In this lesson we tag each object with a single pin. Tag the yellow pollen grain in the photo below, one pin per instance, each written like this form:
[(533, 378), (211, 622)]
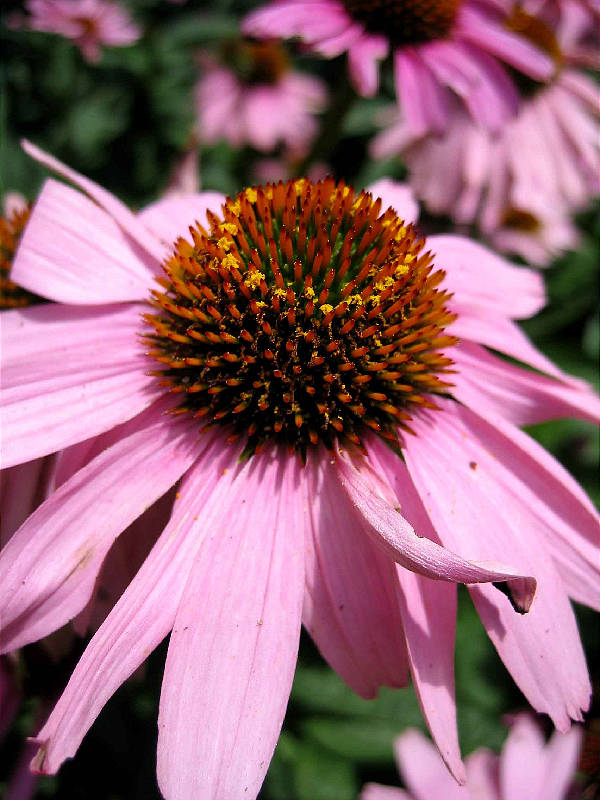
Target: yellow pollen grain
[(229, 227), (309, 292), (400, 270), (355, 300), (326, 308), (299, 186), (401, 233), (345, 191), (385, 283), (224, 243), (253, 279), (251, 194), (280, 293), (235, 207), (230, 261)]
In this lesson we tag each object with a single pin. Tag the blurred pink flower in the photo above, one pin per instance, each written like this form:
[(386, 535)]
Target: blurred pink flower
[(527, 769), (521, 184), (89, 23), (264, 102), (440, 48), (254, 546)]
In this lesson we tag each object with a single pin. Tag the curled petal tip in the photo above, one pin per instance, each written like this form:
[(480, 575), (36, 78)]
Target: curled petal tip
[(520, 590)]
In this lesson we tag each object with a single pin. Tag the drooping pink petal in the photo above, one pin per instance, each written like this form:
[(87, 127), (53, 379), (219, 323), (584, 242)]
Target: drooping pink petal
[(568, 522), (398, 196), (396, 537), (350, 606), (423, 771), (422, 99), (117, 210), (83, 368), (523, 397), (485, 280), (48, 568), (74, 252), (476, 510), (428, 616), (144, 614), (516, 50), (170, 217), (234, 644), (363, 56)]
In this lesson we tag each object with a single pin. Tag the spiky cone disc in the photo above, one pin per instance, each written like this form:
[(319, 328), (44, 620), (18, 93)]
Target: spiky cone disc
[(303, 315), (11, 228)]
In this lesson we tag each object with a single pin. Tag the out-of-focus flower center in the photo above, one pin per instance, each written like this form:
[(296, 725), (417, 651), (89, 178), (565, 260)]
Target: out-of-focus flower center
[(303, 315), (11, 228), (405, 21), (539, 34), (256, 62), (520, 220)]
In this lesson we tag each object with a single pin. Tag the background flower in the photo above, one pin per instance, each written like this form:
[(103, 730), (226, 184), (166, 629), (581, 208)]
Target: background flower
[(89, 23), (527, 767)]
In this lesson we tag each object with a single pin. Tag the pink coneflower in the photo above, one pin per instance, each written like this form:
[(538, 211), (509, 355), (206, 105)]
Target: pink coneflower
[(89, 23), (440, 48), (528, 767), (521, 184), (253, 96), (309, 330)]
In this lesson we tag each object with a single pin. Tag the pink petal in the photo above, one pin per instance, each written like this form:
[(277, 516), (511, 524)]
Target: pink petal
[(502, 334), (74, 252), (350, 606), (83, 368), (422, 99), (233, 649), (461, 475), (117, 210), (429, 620), (423, 771), (482, 775), (313, 20), (486, 281), (521, 396), (522, 760), (171, 217), (570, 524), (483, 33), (48, 568), (562, 757), (363, 56), (398, 196), (393, 534), (144, 614)]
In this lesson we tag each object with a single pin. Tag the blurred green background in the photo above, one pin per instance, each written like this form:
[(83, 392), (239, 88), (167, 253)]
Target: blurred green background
[(126, 122)]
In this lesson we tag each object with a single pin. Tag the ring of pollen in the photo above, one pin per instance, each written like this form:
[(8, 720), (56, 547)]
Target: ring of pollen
[(303, 315)]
